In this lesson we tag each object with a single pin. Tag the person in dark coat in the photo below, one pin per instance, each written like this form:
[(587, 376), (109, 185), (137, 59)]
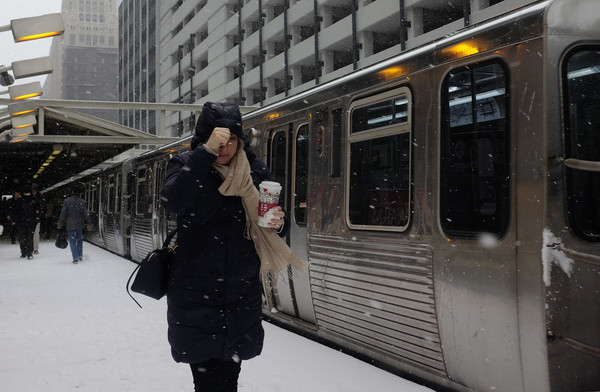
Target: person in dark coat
[(214, 293), (75, 215), (11, 215), (25, 213)]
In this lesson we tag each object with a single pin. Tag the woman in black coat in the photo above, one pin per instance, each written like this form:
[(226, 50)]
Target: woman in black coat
[(214, 294)]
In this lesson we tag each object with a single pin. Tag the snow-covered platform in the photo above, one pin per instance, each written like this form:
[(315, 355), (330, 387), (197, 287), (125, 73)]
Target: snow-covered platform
[(67, 327)]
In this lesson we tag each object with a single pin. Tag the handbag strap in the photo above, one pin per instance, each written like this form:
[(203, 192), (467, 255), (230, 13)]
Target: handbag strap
[(169, 237), (165, 244)]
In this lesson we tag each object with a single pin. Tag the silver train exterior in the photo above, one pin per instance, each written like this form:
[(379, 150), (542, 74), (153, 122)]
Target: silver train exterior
[(448, 200)]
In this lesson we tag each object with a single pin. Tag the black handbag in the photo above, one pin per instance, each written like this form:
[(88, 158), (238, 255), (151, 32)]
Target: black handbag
[(61, 239), (153, 272)]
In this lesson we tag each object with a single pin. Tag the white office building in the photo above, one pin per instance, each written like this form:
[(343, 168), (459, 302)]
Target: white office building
[(255, 52)]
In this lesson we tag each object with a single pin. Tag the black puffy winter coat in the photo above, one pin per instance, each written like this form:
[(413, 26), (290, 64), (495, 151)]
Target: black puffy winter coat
[(214, 294)]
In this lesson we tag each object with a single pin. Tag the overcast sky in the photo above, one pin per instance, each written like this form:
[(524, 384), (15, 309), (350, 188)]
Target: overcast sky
[(11, 51)]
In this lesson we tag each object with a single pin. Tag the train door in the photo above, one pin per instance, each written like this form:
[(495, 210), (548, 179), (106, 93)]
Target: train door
[(475, 255), (571, 256), (287, 158), (142, 233), (161, 215)]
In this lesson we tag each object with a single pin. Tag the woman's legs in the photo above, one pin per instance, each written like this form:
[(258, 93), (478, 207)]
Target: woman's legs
[(216, 376)]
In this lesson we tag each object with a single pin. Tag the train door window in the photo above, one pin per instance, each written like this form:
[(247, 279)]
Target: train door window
[(118, 193), (277, 155), (143, 192), (92, 197), (335, 143), (474, 156), (110, 201), (582, 141), (103, 192), (301, 175), (88, 196), (378, 179)]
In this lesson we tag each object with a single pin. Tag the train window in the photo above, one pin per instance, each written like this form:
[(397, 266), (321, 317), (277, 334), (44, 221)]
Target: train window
[(582, 142), (381, 114), (301, 179), (474, 156), (335, 143), (378, 194), (118, 193), (143, 191), (92, 196), (111, 194), (277, 156)]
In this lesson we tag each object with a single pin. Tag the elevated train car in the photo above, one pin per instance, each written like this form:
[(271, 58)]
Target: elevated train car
[(447, 199)]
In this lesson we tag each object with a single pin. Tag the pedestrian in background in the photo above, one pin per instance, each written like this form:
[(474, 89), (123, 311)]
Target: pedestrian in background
[(11, 216), (25, 213), (75, 216)]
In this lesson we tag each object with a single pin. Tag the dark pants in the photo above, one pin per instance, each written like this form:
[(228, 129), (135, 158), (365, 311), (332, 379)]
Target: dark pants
[(216, 376), (13, 233), (26, 238)]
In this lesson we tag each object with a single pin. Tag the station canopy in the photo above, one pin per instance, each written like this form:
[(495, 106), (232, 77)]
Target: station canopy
[(76, 140)]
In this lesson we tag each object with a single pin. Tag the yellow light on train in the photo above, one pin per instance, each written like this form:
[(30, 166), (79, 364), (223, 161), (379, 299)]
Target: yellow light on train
[(457, 51), (392, 73), (273, 116)]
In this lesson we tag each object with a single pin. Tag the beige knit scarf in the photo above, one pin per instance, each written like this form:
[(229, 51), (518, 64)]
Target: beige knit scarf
[(274, 253)]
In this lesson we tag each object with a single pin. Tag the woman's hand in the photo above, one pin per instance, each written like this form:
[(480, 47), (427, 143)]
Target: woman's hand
[(277, 221), (219, 137)]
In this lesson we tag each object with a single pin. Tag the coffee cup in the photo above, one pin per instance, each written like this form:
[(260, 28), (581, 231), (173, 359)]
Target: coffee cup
[(268, 198)]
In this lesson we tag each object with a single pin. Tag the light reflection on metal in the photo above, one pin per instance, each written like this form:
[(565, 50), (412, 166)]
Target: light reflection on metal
[(392, 73), (462, 49)]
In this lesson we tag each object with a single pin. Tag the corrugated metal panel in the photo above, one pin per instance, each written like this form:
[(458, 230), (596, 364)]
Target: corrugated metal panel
[(378, 294), (141, 236)]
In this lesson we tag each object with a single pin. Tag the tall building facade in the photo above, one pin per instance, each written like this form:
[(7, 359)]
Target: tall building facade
[(85, 57), (255, 52), (138, 49)]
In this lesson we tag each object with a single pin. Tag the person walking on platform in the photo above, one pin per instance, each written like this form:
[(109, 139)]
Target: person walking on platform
[(214, 294), (75, 215), (26, 211), (11, 216)]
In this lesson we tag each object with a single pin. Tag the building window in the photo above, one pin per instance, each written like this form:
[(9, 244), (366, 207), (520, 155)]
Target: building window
[(378, 175), (475, 154)]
